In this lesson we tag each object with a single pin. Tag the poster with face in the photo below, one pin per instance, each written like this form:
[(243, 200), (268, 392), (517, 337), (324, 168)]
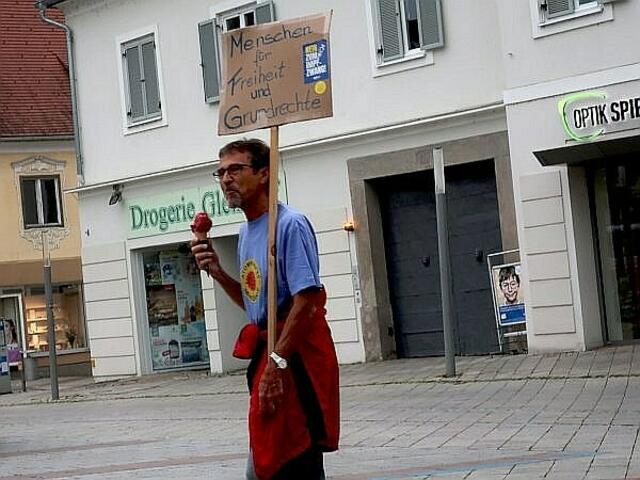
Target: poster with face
[(509, 295)]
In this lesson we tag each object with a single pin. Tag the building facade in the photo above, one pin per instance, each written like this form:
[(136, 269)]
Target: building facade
[(573, 138), (407, 77), (538, 142), (37, 163)]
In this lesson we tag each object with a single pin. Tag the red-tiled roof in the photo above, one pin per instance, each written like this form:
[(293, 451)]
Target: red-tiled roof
[(34, 81)]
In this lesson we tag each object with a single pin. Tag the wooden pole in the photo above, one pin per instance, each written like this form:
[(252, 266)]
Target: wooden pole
[(272, 291)]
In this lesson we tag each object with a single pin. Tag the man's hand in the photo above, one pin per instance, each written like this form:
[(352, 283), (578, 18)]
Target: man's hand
[(271, 388), (206, 257)]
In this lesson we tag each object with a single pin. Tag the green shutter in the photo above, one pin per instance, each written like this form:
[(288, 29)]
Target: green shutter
[(390, 29), (150, 70), (557, 8), (134, 79), (209, 60), (430, 22), (265, 12)]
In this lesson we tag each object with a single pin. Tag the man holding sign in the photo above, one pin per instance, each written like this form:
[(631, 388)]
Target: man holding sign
[(294, 406), (274, 74)]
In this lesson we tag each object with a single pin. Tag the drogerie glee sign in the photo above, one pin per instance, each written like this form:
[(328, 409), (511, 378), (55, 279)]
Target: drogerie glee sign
[(275, 73), (173, 211)]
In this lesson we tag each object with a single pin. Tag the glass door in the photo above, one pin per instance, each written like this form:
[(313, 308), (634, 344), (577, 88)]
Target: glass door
[(175, 310), (617, 204)]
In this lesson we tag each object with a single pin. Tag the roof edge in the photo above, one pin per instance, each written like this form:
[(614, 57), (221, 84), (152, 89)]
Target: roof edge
[(48, 3), (35, 138)]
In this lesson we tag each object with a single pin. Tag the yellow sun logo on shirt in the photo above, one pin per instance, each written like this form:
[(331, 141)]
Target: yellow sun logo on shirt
[(251, 279)]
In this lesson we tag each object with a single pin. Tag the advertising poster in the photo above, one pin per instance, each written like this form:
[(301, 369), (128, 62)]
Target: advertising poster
[(509, 296), (175, 311), (169, 267)]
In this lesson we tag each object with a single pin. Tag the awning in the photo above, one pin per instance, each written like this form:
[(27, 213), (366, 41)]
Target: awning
[(581, 152)]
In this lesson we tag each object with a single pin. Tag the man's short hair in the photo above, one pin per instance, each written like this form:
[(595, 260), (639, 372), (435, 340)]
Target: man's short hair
[(258, 151), (506, 273)]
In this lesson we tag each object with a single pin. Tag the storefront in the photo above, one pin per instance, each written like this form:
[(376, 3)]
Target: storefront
[(149, 307), (23, 311), (577, 177)]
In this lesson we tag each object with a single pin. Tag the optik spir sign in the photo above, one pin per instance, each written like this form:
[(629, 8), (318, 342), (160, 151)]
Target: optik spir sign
[(589, 115)]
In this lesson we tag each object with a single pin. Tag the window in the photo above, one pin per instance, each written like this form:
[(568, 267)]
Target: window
[(68, 314), (550, 17), (406, 26), (246, 16), (41, 205), (558, 8), (142, 92), (239, 20)]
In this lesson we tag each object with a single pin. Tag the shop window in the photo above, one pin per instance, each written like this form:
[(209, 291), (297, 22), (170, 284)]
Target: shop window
[(10, 319), (175, 310), (141, 80), (68, 316), (41, 201), (406, 27), (208, 31)]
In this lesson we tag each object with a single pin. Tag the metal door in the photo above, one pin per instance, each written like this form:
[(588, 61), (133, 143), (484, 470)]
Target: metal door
[(409, 221), (411, 244), (474, 231)]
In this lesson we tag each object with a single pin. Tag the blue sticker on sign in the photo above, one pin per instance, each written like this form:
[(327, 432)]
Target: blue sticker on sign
[(316, 61), (512, 314)]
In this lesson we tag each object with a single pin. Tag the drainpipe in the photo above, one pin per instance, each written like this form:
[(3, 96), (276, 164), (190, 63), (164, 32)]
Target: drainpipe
[(74, 95)]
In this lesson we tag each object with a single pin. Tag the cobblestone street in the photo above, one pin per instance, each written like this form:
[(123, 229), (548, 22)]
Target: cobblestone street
[(568, 416)]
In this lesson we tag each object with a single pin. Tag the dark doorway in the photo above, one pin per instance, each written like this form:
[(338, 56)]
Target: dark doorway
[(409, 222), (616, 191)]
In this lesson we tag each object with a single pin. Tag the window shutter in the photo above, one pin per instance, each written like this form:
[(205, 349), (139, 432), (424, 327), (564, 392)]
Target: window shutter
[(134, 77), (264, 12), (209, 60), (150, 69), (557, 8), (390, 29), (430, 21), (29, 203)]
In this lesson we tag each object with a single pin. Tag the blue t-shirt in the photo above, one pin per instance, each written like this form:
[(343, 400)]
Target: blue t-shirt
[(297, 265)]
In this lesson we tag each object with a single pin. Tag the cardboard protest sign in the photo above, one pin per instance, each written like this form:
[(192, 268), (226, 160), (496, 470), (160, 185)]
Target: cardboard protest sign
[(275, 73)]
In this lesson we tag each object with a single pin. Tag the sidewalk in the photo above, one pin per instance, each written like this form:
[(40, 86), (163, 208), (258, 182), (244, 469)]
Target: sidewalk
[(619, 361), (553, 417)]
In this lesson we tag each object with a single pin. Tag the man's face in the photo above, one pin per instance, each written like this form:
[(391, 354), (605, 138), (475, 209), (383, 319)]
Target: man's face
[(241, 184), (509, 288)]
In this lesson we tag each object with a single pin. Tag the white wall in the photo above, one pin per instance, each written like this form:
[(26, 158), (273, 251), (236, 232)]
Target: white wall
[(466, 73), (529, 60), (110, 326), (229, 317)]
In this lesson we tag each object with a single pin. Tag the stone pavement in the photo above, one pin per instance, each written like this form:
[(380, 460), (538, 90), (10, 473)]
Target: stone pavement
[(560, 416)]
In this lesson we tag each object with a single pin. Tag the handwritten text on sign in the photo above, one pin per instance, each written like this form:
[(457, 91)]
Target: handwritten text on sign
[(274, 74)]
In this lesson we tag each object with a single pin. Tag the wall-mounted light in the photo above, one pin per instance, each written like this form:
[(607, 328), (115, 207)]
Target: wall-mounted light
[(116, 195), (348, 226)]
